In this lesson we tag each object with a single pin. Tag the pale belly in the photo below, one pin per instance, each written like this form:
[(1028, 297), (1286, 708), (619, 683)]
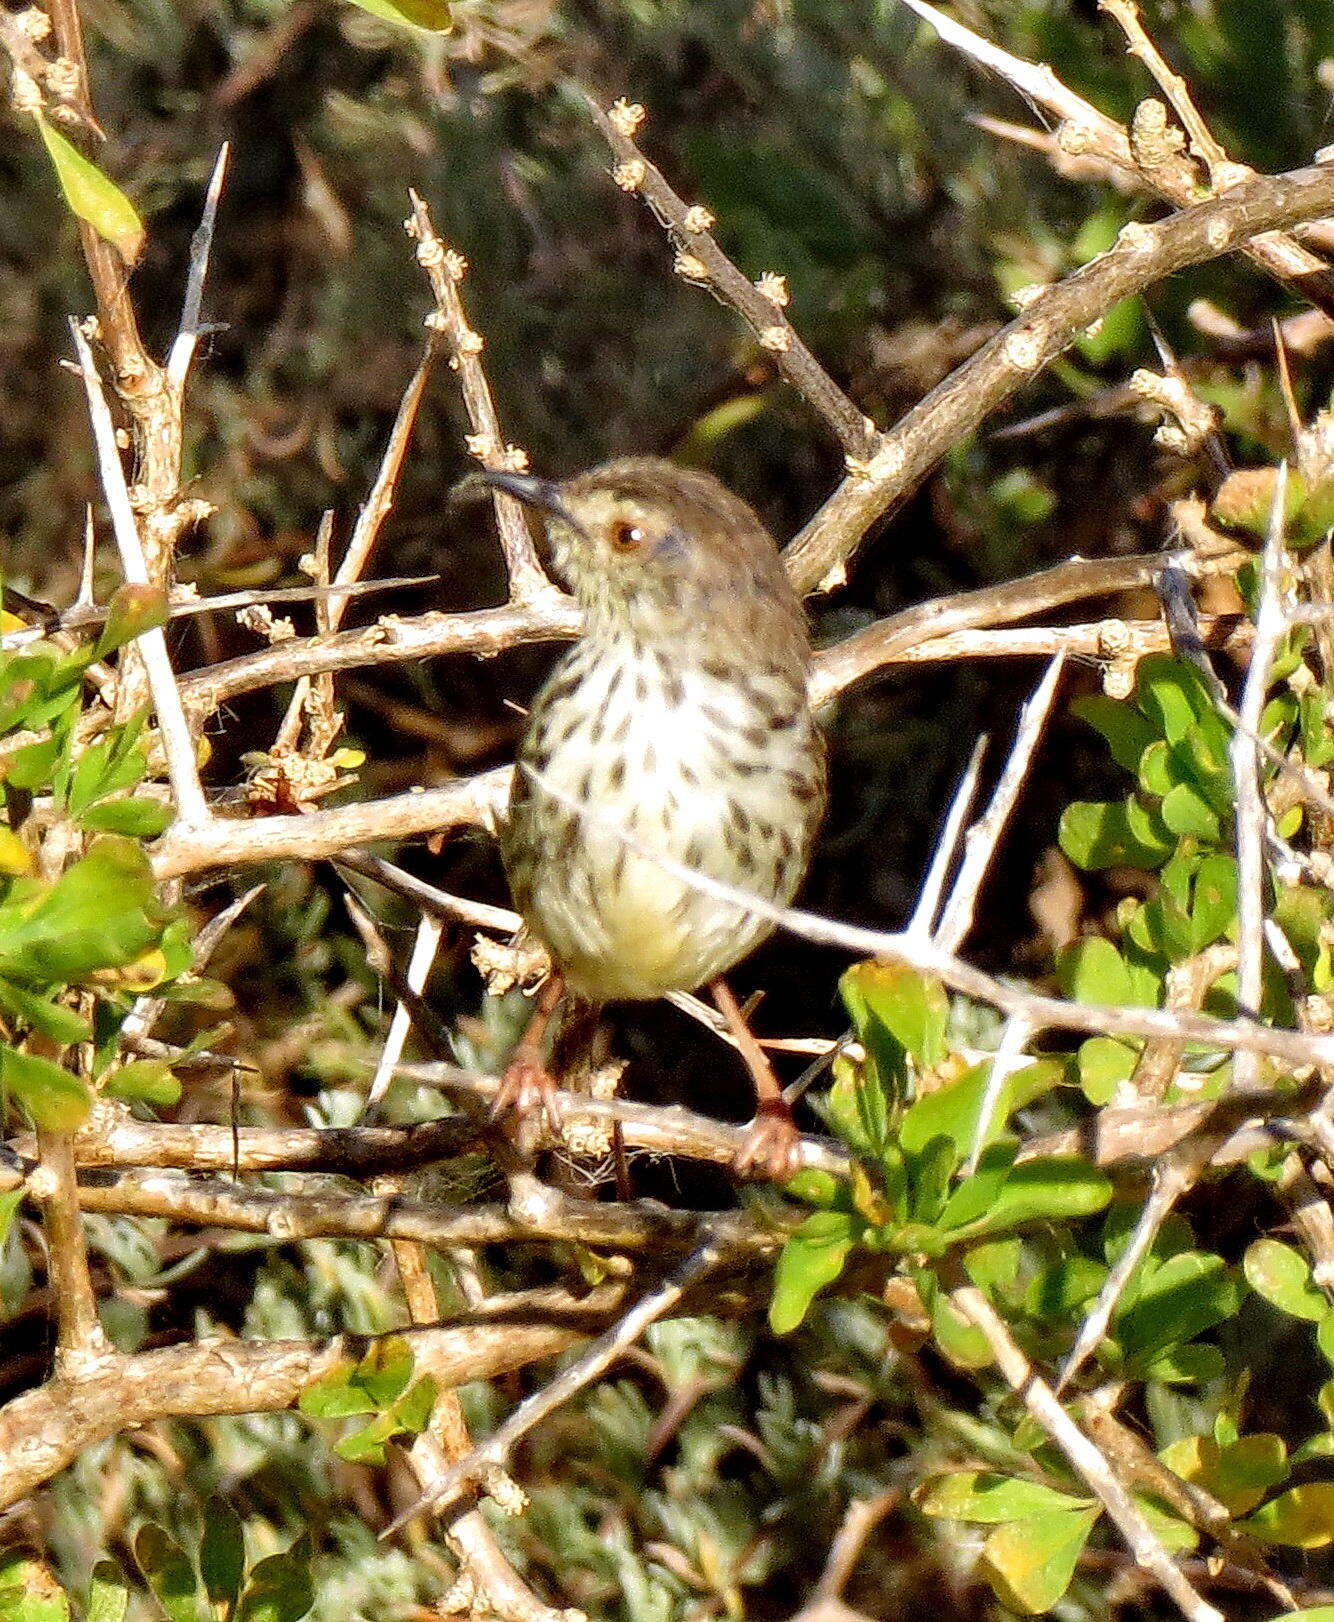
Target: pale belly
[(649, 780)]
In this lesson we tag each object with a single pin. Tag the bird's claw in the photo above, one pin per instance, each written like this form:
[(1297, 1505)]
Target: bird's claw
[(771, 1149), (528, 1092)]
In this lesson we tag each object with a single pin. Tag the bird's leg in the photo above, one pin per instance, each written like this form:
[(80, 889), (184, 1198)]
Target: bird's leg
[(527, 1086), (772, 1146)]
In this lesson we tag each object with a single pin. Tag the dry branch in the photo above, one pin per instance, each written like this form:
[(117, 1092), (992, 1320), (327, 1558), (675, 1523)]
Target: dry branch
[(1141, 256)]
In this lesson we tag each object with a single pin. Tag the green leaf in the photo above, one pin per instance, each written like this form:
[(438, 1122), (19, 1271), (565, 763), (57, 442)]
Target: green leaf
[(133, 609), (414, 1408), (1030, 1563), (962, 1342), (1112, 833), (1043, 1190), (1213, 900), (1282, 1276), (1302, 1518), (911, 1006), (100, 914), (1093, 971), (1057, 1291), (856, 1105), (384, 1372), (29, 1592), (136, 818), (148, 1079), (1103, 1064), (222, 1552), (1238, 1475), (367, 1445), (1127, 733), (1186, 1295), (983, 1495), (1156, 769), (93, 196), (952, 1112), (809, 1262), (975, 1195), (1196, 1363), (15, 857), (108, 1593), (333, 1396), (9, 1204), (280, 1588), (53, 1098), (1186, 811), (44, 1014), (168, 1574), (430, 15), (1172, 695)]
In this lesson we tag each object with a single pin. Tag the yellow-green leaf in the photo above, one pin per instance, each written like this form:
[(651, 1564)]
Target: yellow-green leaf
[(432, 15), (93, 196), (1030, 1562), (1302, 1518)]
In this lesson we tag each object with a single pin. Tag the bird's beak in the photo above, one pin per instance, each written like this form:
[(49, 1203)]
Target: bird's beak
[(543, 494)]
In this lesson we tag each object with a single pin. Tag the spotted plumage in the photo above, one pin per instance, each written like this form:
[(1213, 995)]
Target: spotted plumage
[(679, 724)]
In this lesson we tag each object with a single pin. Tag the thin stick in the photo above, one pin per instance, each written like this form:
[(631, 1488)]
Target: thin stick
[(699, 258), (446, 269), (425, 947), (1008, 1057), (1245, 760), (1173, 86), (80, 1341), (1141, 255), (381, 499), (984, 836), (1041, 1402), (594, 1361), (1086, 132), (201, 246), (222, 842), (174, 730), (923, 920)]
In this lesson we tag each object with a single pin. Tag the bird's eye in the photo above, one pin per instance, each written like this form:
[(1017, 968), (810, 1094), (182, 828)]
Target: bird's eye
[(625, 536)]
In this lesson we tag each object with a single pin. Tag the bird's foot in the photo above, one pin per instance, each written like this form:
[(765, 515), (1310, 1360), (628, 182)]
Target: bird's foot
[(771, 1149), (528, 1093)]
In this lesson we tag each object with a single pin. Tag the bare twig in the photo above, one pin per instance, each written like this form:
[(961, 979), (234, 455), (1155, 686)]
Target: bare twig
[(45, 1429), (982, 838), (1037, 1396), (173, 728), (223, 843), (446, 269), (1126, 14), (1245, 759), (1141, 255), (1152, 163), (923, 920), (425, 946), (494, 1452), (80, 1346), (700, 259), (201, 246), (489, 1574)]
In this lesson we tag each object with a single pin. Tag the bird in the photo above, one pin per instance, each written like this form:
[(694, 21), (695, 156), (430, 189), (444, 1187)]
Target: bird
[(680, 726)]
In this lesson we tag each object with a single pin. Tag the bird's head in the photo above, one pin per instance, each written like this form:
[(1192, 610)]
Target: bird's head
[(661, 551)]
